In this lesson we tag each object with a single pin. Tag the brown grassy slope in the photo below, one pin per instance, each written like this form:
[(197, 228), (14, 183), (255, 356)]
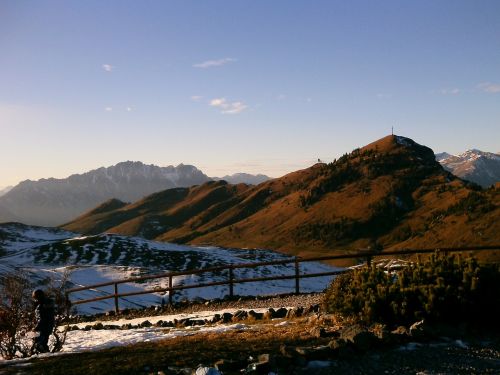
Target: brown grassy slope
[(390, 193)]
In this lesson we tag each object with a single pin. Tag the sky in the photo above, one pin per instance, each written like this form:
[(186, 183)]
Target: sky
[(240, 86)]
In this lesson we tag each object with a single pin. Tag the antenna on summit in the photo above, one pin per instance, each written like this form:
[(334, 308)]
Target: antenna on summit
[(392, 130)]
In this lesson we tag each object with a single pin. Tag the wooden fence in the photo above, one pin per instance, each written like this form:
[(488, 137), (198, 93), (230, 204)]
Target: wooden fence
[(366, 256)]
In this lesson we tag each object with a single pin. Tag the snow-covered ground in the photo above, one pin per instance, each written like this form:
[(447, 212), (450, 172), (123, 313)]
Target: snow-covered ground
[(49, 253)]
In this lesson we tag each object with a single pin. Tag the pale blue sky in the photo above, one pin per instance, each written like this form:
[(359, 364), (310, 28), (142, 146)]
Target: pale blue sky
[(240, 86)]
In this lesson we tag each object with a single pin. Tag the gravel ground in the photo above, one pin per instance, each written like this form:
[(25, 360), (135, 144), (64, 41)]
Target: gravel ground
[(427, 359), (289, 300)]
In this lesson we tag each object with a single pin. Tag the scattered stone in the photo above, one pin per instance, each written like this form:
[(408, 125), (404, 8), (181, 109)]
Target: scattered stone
[(361, 338), (146, 324), (111, 326), (318, 332), (280, 313), (295, 312), (421, 330), (227, 317), (341, 348), (255, 315), (207, 371), (98, 326), (315, 353), (224, 365), (269, 314), (258, 368), (240, 315)]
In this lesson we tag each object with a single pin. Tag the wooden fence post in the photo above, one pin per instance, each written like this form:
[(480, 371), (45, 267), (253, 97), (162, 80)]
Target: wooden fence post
[(117, 309), (170, 292), (231, 282), (297, 276)]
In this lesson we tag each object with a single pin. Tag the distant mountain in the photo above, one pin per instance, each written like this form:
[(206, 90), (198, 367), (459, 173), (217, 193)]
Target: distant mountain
[(391, 193), (243, 178), (53, 201), (477, 166), (5, 190)]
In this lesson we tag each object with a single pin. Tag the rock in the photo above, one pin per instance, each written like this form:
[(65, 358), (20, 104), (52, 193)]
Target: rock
[(258, 368), (225, 365), (207, 371), (255, 315), (269, 314), (216, 318), (341, 348), (280, 313), (315, 353), (111, 326), (158, 323), (239, 315), (421, 331), (98, 326), (75, 328), (167, 324), (318, 332), (401, 331), (146, 324), (361, 338), (295, 312), (227, 317), (264, 357), (287, 351), (312, 309), (385, 336)]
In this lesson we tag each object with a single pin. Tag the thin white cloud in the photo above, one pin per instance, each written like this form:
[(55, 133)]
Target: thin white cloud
[(228, 107), (453, 91), (492, 88), (108, 68), (128, 109), (196, 98), (214, 63), (108, 109)]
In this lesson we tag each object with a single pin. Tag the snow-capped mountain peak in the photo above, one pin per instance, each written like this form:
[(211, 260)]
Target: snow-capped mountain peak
[(475, 165)]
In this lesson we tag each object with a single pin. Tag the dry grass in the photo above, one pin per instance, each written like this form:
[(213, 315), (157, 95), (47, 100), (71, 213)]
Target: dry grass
[(186, 351)]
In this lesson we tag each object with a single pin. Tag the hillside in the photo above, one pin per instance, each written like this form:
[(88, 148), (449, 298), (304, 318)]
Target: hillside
[(48, 253), (391, 193)]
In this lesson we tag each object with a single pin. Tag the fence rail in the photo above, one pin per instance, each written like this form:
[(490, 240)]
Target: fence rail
[(365, 255)]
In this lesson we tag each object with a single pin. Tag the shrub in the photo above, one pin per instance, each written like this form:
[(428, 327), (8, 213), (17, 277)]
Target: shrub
[(16, 314), (441, 288)]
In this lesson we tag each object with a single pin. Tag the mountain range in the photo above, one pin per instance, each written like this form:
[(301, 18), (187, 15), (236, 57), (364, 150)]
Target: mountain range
[(51, 202), (390, 193), (477, 166)]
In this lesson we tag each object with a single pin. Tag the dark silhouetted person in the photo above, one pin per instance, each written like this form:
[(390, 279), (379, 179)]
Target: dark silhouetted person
[(44, 321)]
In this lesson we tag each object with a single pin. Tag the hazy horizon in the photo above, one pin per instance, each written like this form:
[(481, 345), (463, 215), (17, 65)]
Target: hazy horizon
[(254, 87)]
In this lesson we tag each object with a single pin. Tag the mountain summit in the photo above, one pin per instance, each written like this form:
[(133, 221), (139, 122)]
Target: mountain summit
[(474, 165), (390, 193), (54, 201)]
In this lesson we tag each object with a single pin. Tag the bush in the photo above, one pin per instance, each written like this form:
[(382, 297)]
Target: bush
[(440, 289), (16, 314)]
